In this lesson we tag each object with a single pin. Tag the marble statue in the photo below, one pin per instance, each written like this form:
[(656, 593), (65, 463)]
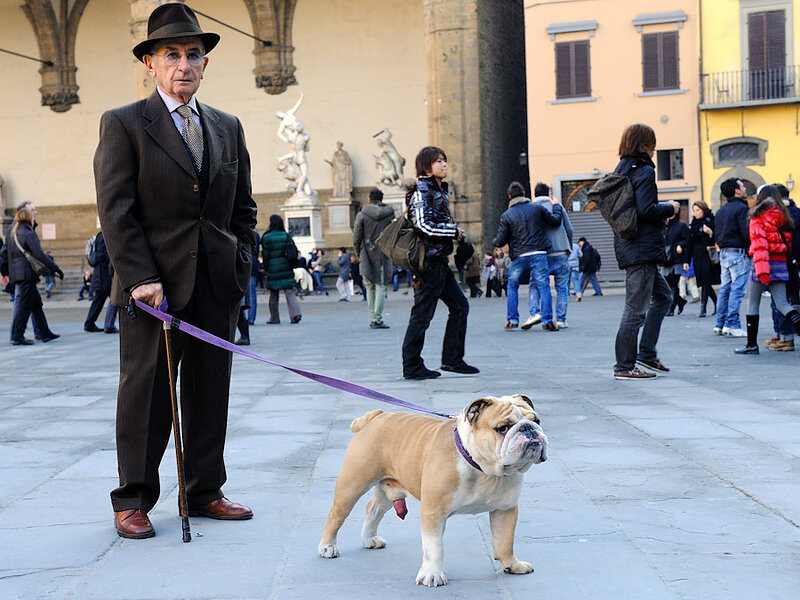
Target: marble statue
[(294, 164), (390, 164), (342, 172)]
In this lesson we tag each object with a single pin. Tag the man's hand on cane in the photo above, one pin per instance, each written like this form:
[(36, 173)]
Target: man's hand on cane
[(149, 293)]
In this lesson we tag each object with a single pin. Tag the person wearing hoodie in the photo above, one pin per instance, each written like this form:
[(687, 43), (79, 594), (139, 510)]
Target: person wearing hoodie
[(558, 265), (376, 267), (522, 226), (647, 294), (770, 230)]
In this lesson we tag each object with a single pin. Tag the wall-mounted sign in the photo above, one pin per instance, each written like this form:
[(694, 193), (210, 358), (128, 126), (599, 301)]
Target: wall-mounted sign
[(48, 231)]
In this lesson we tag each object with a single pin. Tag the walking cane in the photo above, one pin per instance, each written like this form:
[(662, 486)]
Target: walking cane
[(183, 508)]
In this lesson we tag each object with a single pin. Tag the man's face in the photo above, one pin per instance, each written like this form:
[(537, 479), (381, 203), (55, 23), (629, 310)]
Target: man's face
[(741, 191), (177, 66), (33, 211)]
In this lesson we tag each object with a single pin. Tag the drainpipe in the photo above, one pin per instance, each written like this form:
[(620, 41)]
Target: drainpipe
[(702, 91)]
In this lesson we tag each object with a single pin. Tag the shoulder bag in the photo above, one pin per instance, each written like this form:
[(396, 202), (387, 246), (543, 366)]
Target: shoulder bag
[(38, 266), (713, 254), (400, 242)]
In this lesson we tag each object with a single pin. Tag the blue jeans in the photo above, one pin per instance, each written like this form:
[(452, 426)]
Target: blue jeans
[(558, 266), (647, 300), (734, 271), (536, 265), (252, 299), (593, 280), (575, 280)]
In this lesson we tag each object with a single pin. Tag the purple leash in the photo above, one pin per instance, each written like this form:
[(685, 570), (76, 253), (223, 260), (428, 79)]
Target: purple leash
[(339, 384)]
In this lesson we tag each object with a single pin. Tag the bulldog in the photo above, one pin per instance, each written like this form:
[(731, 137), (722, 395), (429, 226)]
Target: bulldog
[(469, 464)]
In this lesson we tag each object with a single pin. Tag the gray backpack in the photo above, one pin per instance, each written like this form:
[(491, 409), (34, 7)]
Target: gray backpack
[(613, 195)]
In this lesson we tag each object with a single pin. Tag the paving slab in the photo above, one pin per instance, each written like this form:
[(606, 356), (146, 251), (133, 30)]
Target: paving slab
[(681, 488)]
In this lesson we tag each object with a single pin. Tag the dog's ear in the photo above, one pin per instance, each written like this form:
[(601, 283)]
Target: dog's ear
[(529, 402), (474, 410), (526, 400)]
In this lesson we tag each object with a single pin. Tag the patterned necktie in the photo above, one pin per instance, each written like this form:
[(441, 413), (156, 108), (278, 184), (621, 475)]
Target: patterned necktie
[(192, 135)]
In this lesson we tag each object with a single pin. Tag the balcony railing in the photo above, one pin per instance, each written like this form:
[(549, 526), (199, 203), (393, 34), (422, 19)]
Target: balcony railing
[(752, 87)]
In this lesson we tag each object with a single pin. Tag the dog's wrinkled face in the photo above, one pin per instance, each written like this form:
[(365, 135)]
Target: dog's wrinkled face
[(503, 434)]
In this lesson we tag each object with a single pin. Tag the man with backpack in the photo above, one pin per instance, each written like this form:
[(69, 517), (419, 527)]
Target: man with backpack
[(589, 264), (101, 285), (647, 294)]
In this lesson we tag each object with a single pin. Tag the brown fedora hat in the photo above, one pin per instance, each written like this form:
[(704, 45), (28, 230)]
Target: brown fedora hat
[(170, 21)]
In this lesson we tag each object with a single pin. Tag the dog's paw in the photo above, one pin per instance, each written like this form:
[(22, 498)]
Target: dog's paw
[(328, 550), (431, 575), (519, 568), (374, 542)]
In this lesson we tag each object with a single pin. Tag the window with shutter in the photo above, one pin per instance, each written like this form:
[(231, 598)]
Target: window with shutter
[(660, 61), (766, 51), (572, 70)]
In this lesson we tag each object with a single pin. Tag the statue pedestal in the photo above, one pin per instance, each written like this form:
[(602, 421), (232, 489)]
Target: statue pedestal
[(303, 217), (341, 214), (394, 196)]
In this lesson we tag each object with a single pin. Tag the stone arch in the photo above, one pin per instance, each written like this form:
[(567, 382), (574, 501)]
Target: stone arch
[(272, 20), (740, 172), (55, 34)]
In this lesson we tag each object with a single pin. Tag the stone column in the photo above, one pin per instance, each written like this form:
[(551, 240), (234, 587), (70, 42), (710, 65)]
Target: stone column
[(451, 48), (140, 11)]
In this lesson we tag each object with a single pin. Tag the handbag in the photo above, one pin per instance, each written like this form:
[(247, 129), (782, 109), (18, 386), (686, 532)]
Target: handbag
[(38, 266), (713, 254), (401, 243), (291, 252)]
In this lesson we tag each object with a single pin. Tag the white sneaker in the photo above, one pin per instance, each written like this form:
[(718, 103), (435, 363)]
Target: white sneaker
[(532, 320), (718, 330), (734, 332), (561, 325)]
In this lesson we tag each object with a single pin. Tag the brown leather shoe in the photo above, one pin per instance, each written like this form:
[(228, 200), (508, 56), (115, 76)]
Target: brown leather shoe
[(133, 524), (224, 509)]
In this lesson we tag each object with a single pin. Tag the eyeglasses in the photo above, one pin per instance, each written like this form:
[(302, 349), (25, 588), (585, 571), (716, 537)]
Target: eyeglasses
[(173, 58)]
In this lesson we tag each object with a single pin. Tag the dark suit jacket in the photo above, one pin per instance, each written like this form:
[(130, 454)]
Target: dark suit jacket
[(152, 209)]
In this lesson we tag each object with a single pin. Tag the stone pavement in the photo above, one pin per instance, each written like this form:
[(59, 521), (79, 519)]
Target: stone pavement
[(685, 487)]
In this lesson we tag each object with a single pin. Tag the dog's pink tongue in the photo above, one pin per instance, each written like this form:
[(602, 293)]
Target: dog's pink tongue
[(400, 508)]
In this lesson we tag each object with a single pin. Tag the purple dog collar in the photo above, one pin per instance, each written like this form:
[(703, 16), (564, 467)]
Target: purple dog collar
[(463, 451)]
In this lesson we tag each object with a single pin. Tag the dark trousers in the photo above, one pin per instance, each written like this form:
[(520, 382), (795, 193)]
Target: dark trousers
[(96, 307), (144, 414), (647, 300), (436, 283), (474, 286), (27, 302)]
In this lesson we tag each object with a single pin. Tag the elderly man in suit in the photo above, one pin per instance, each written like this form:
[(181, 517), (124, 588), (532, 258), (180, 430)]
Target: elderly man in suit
[(174, 199)]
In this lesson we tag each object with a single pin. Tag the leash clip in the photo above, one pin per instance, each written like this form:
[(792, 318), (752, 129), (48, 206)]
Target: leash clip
[(131, 307)]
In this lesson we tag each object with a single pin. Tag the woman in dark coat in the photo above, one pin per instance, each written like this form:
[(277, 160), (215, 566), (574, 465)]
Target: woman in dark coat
[(27, 299), (280, 276), (701, 238), (677, 242)]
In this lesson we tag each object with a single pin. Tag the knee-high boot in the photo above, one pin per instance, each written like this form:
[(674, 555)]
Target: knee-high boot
[(243, 325), (752, 336)]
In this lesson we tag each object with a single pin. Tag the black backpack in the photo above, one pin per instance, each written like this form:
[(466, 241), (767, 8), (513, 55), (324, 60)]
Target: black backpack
[(613, 195)]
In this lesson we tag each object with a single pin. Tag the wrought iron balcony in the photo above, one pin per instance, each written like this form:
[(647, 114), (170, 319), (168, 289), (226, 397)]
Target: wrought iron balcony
[(753, 87)]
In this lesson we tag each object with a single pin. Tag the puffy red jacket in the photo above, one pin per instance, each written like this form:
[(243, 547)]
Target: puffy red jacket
[(766, 243)]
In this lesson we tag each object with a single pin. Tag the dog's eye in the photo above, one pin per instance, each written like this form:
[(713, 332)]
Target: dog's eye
[(502, 430)]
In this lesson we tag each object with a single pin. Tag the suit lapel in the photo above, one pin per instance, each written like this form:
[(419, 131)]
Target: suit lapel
[(162, 129), (214, 137)]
